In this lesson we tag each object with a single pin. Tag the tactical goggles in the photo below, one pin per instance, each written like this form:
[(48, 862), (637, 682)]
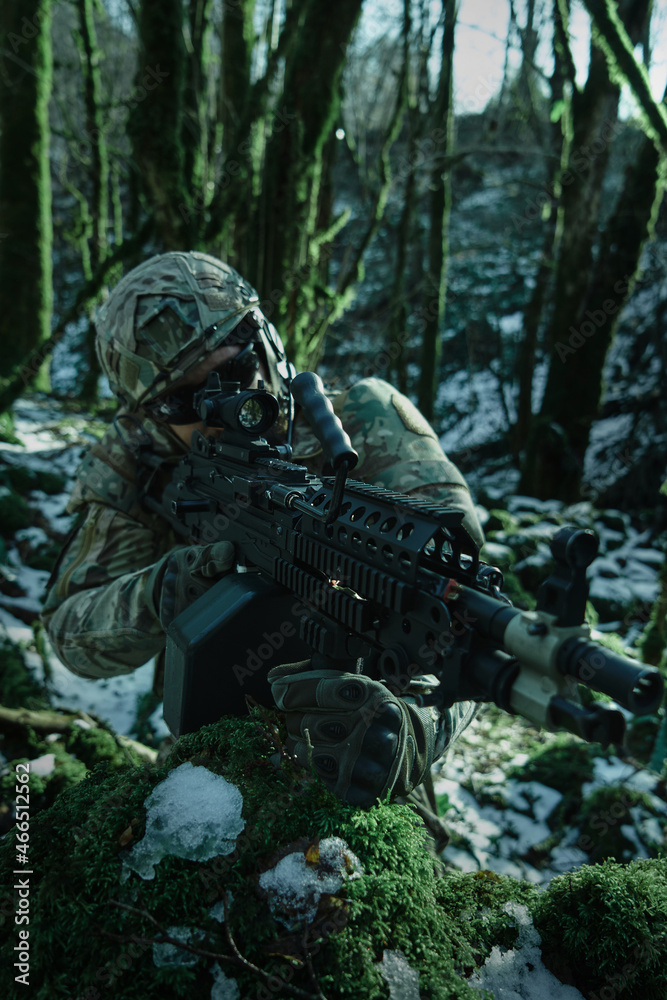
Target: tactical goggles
[(176, 407)]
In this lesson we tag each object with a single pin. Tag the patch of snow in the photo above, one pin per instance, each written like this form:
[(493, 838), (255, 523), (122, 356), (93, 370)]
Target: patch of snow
[(218, 911), (112, 699), (34, 536), (474, 403), (519, 502), (648, 826), (193, 814), (616, 772), (512, 324), (401, 978), (33, 581), (44, 765), (518, 973), (224, 987), (52, 508), (537, 798), (630, 834), (294, 885)]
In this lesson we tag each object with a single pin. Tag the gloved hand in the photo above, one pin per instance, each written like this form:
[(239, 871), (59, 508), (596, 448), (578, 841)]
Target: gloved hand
[(365, 740), (184, 574)]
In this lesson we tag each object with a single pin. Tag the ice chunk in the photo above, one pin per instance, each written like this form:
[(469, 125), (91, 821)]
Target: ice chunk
[(224, 987), (166, 953), (294, 886), (192, 814), (44, 765), (518, 974), (402, 980), (218, 911)]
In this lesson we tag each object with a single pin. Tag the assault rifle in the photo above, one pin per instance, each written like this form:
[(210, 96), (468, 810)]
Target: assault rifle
[(348, 573)]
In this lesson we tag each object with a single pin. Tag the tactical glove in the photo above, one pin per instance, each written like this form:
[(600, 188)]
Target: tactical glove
[(365, 741), (183, 575)]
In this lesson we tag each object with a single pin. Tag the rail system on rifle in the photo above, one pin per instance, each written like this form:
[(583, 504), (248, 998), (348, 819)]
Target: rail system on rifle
[(359, 577)]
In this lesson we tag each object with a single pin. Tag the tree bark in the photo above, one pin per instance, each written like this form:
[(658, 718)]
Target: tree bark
[(438, 246), (98, 174), (26, 295), (307, 117), (555, 453), (195, 135), (559, 147), (155, 125)]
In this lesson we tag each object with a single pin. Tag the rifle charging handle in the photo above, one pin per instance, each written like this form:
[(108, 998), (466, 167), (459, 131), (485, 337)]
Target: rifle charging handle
[(308, 392)]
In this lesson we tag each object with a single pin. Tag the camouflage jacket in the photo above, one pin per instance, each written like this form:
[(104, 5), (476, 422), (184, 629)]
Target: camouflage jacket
[(99, 616)]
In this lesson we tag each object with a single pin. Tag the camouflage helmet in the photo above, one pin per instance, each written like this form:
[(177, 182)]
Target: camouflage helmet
[(167, 315)]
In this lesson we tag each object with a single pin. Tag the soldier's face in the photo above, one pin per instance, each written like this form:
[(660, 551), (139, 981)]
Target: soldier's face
[(198, 376)]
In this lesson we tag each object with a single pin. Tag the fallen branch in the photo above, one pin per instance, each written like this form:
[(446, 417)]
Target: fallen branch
[(236, 958), (46, 721)]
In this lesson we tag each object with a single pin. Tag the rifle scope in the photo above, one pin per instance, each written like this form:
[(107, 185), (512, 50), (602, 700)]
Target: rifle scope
[(223, 404)]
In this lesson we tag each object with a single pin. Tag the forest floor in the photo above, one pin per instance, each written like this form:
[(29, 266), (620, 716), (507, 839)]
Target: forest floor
[(517, 801)]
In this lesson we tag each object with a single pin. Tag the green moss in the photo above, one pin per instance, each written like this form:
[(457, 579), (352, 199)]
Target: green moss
[(564, 765), (77, 752), (603, 815), (604, 927), (18, 689), (90, 929), (500, 520), (7, 428), (76, 851)]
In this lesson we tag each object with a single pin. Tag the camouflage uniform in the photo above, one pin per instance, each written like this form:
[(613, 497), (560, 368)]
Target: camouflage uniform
[(100, 619), (161, 321)]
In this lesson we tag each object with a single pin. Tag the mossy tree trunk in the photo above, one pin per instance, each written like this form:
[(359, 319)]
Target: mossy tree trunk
[(195, 135), (440, 205), (398, 319), (238, 39), (288, 273), (156, 125), (561, 85), (618, 44), (554, 457), (25, 182), (98, 173)]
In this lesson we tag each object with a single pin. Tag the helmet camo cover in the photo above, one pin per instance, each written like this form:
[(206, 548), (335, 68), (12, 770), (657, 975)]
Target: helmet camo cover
[(164, 317)]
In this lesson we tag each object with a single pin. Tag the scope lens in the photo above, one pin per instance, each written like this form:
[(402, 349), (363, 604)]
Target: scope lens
[(251, 414)]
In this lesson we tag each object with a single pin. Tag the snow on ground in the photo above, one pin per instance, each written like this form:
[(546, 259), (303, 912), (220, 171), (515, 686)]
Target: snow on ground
[(518, 973), (51, 445), (498, 836)]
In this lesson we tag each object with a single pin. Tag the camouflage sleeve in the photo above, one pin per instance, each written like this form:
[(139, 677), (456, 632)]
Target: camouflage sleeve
[(99, 618)]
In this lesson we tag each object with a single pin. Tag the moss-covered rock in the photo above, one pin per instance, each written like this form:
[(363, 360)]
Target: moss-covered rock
[(604, 929), (18, 688), (65, 758), (105, 914), (94, 921)]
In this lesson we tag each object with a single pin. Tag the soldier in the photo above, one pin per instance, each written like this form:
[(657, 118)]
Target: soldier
[(123, 575)]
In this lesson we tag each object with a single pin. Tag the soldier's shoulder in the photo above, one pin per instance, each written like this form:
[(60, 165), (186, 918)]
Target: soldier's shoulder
[(373, 398)]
